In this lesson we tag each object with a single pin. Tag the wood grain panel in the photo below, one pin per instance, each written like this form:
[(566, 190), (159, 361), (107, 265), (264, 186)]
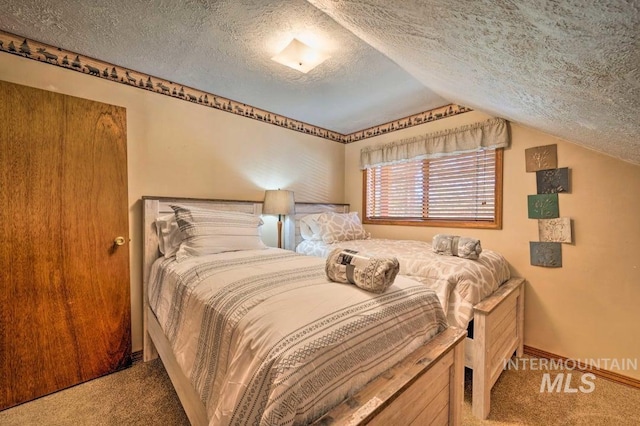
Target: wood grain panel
[(440, 419), (436, 412), (406, 382), (489, 326), (403, 409), (65, 291)]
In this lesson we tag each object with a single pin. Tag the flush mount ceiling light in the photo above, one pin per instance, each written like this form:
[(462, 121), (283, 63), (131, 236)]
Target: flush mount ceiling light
[(300, 57)]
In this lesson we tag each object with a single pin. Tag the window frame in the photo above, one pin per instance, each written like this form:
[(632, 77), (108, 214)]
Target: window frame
[(479, 224)]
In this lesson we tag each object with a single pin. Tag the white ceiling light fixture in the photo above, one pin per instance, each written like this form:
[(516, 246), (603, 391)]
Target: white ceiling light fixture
[(300, 57)]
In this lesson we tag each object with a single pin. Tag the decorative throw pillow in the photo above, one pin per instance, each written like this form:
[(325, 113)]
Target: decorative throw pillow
[(214, 231), (310, 228), (336, 227), (169, 234)]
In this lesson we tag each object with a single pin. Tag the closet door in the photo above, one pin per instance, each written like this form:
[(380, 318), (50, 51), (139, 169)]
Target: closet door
[(65, 293)]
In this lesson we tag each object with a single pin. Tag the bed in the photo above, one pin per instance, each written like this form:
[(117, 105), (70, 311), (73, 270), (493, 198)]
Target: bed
[(478, 295), (260, 336)]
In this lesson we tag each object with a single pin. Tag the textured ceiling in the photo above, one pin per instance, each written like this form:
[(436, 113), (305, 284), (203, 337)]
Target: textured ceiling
[(569, 68), (225, 47)]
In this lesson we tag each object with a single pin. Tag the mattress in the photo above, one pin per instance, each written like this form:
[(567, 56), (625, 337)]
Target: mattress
[(459, 283), (265, 338)]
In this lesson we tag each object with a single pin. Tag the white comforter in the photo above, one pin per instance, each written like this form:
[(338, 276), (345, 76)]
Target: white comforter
[(459, 283), (266, 338)]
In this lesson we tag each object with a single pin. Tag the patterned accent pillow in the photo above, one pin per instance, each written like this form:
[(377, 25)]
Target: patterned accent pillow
[(214, 231), (336, 227)]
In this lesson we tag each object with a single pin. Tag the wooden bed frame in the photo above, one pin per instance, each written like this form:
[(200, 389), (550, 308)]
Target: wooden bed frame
[(427, 387), (498, 320)]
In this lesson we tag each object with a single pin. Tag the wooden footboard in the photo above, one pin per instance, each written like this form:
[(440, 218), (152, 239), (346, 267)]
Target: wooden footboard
[(425, 388), (497, 333)]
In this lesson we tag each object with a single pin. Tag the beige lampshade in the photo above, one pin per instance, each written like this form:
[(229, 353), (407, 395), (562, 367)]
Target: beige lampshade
[(278, 201)]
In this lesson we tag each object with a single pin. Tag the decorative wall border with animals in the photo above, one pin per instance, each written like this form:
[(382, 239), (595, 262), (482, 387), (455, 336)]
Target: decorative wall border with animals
[(45, 53)]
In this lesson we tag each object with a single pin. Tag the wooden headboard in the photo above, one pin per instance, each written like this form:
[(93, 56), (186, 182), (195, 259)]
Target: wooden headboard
[(292, 235)]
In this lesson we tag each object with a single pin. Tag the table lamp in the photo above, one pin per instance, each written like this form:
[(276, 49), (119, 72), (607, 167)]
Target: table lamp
[(280, 202)]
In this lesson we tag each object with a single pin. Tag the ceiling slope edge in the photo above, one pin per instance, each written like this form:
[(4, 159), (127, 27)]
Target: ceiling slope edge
[(52, 55)]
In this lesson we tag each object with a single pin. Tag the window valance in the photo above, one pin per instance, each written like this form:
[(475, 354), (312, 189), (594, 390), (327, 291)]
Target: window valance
[(490, 134)]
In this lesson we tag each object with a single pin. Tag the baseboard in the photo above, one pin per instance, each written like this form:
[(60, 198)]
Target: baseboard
[(605, 374), (136, 357)]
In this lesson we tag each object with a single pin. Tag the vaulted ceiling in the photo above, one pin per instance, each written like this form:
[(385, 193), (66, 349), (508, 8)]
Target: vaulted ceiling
[(565, 67)]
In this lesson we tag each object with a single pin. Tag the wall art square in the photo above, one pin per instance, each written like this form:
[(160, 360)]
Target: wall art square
[(552, 181), (555, 230), (541, 158), (546, 254), (543, 206)]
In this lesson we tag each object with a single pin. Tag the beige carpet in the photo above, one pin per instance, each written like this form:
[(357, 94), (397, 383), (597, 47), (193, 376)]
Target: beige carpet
[(143, 395)]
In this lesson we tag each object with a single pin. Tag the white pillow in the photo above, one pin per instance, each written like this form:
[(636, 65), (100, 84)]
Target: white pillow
[(169, 234), (214, 231), (336, 227), (310, 228)]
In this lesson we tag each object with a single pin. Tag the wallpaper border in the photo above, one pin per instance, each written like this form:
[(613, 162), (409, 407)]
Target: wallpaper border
[(45, 53)]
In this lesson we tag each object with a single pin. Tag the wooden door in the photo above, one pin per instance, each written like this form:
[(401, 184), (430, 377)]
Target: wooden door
[(65, 294)]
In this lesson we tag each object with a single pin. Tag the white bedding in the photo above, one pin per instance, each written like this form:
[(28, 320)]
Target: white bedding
[(266, 338), (459, 283)]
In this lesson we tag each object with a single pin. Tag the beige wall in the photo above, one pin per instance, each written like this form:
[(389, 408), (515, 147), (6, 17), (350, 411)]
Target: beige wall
[(176, 148), (589, 307)]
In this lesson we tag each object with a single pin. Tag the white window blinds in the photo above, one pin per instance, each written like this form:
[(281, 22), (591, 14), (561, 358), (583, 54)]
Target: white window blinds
[(460, 187)]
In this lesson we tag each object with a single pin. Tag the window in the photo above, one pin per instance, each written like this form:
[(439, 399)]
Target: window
[(461, 190)]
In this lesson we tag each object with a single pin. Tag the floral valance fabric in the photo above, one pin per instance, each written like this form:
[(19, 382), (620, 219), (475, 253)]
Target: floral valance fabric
[(490, 134)]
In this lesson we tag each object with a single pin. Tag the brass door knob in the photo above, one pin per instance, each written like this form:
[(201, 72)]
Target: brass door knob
[(119, 241)]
